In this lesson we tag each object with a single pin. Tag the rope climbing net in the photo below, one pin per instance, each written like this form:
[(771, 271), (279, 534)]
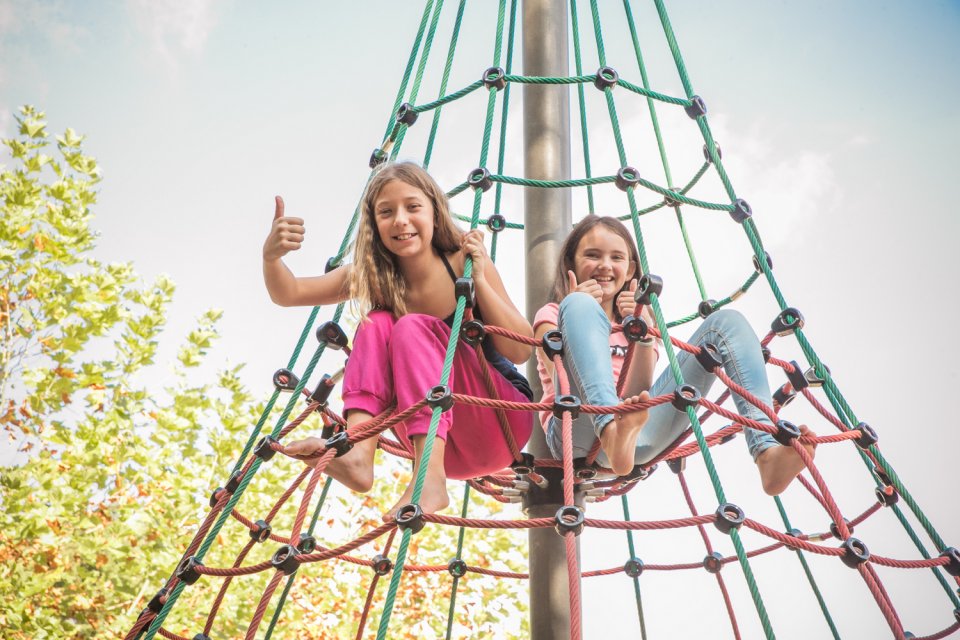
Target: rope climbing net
[(582, 479)]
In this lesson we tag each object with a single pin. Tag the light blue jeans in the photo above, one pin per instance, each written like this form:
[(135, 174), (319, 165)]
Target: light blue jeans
[(587, 360)]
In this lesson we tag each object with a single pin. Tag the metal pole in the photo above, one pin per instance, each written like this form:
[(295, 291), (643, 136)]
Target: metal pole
[(547, 219)]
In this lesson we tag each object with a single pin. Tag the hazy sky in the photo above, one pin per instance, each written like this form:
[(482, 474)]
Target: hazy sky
[(839, 123)]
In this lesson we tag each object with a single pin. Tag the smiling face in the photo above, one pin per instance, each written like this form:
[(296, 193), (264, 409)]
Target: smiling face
[(604, 256), (404, 217)]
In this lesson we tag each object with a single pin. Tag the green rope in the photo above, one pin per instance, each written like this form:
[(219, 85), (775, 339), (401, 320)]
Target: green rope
[(575, 24), (456, 579), (406, 72), (443, 83), (636, 579), (504, 111)]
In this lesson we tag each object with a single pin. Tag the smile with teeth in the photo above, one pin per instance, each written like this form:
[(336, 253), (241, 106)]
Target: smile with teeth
[(404, 236)]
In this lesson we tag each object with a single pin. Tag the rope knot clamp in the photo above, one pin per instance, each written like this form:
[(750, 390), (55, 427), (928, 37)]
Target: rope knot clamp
[(634, 328), (464, 288), (952, 567), (552, 343), (263, 448), (285, 559), (786, 433), (568, 403), (201, 636), (215, 496), (686, 395), (187, 570), (796, 377), (285, 380), (706, 307), (155, 603), (472, 332), (882, 476), (677, 465), (813, 378), (855, 552), (766, 353), (638, 473), (440, 396), (524, 465), (332, 263), (796, 533), (377, 158), (410, 516), (729, 517), (784, 396), (787, 321), (670, 200), (495, 78), (706, 152), (767, 259), (260, 531), (741, 210), (696, 108), (407, 114), (322, 393), (627, 177), (835, 530), (584, 471), (340, 442), (713, 563), (234, 481), (331, 334), (569, 519), (709, 356), (479, 178), (633, 567), (887, 496), (868, 436), (496, 223), (306, 543), (381, 564), (457, 567), (607, 77), (648, 285)]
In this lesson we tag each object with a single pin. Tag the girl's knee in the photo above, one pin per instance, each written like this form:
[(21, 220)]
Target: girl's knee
[(581, 305), (726, 320)]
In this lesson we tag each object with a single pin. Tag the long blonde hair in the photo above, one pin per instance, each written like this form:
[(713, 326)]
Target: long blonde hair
[(376, 281)]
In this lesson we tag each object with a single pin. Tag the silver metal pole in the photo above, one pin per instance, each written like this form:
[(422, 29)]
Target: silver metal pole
[(547, 219)]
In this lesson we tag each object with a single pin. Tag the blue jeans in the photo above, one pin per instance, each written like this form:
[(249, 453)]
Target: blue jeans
[(587, 360)]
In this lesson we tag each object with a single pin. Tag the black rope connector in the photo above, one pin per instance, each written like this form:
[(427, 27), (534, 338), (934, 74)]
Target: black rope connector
[(670, 200), (263, 450), (767, 259), (786, 433), (495, 77), (887, 496), (706, 307), (377, 158), (797, 380), (634, 328), (234, 481), (627, 177), (440, 396), (953, 567), (606, 77), (322, 393), (457, 567), (187, 570), (729, 517), (381, 564), (340, 442), (696, 108), (633, 567), (796, 533), (835, 530), (285, 559), (713, 563), (464, 288), (882, 476), (709, 356), (306, 543), (479, 178), (677, 465), (639, 472), (686, 395), (855, 552), (552, 343), (201, 636), (472, 332), (215, 496), (784, 396), (569, 519), (813, 378), (285, 380), (332, 263), (766, 353), (584, 471), (331, 334), (868, 438), (155, 605), (260, 531), (568, 403), (787, 321), (741, 210), (706, 152), (406, 114), (524, 465), (648, 285), (496, 223), (410, 516)]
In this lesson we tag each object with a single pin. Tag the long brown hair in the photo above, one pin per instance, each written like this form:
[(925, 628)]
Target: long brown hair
[(376, 281), (568, 254)]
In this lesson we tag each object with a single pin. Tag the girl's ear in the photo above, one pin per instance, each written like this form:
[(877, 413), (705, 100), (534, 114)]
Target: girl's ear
[(633, 271)]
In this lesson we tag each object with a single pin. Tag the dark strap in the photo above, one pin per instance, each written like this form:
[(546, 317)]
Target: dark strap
[(453, 275)]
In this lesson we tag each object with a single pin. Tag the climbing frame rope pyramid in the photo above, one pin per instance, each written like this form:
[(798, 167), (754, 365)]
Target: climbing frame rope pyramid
[(619, 86)]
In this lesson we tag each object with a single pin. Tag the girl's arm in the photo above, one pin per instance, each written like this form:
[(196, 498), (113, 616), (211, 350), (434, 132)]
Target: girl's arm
[(286, 235), (542, 328)]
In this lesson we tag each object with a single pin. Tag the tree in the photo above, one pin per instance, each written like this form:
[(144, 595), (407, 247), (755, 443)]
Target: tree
[(107, 478)]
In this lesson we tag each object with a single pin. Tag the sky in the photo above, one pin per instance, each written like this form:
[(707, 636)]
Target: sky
[(839, 123)]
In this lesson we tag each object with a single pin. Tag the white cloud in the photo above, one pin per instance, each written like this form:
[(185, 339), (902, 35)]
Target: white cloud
[(174, 27)]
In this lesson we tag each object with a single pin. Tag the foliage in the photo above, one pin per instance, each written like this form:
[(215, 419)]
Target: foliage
[(108, 471)]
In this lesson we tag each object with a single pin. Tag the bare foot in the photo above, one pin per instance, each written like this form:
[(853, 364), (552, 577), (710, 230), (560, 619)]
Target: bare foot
[(433, 494), (354, 469), (779, 465), (619, 438)]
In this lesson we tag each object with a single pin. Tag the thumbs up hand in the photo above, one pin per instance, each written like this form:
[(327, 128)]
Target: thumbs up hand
[(626, 305), (590, 287), (286, 234)]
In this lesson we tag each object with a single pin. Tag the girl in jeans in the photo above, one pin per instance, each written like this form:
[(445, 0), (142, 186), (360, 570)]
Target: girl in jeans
[(594, 287)]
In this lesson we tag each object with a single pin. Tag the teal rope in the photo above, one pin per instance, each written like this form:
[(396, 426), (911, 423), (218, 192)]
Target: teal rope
[(409, 68), (575, 24), (456, 579), (636, 580), (443, 82)]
